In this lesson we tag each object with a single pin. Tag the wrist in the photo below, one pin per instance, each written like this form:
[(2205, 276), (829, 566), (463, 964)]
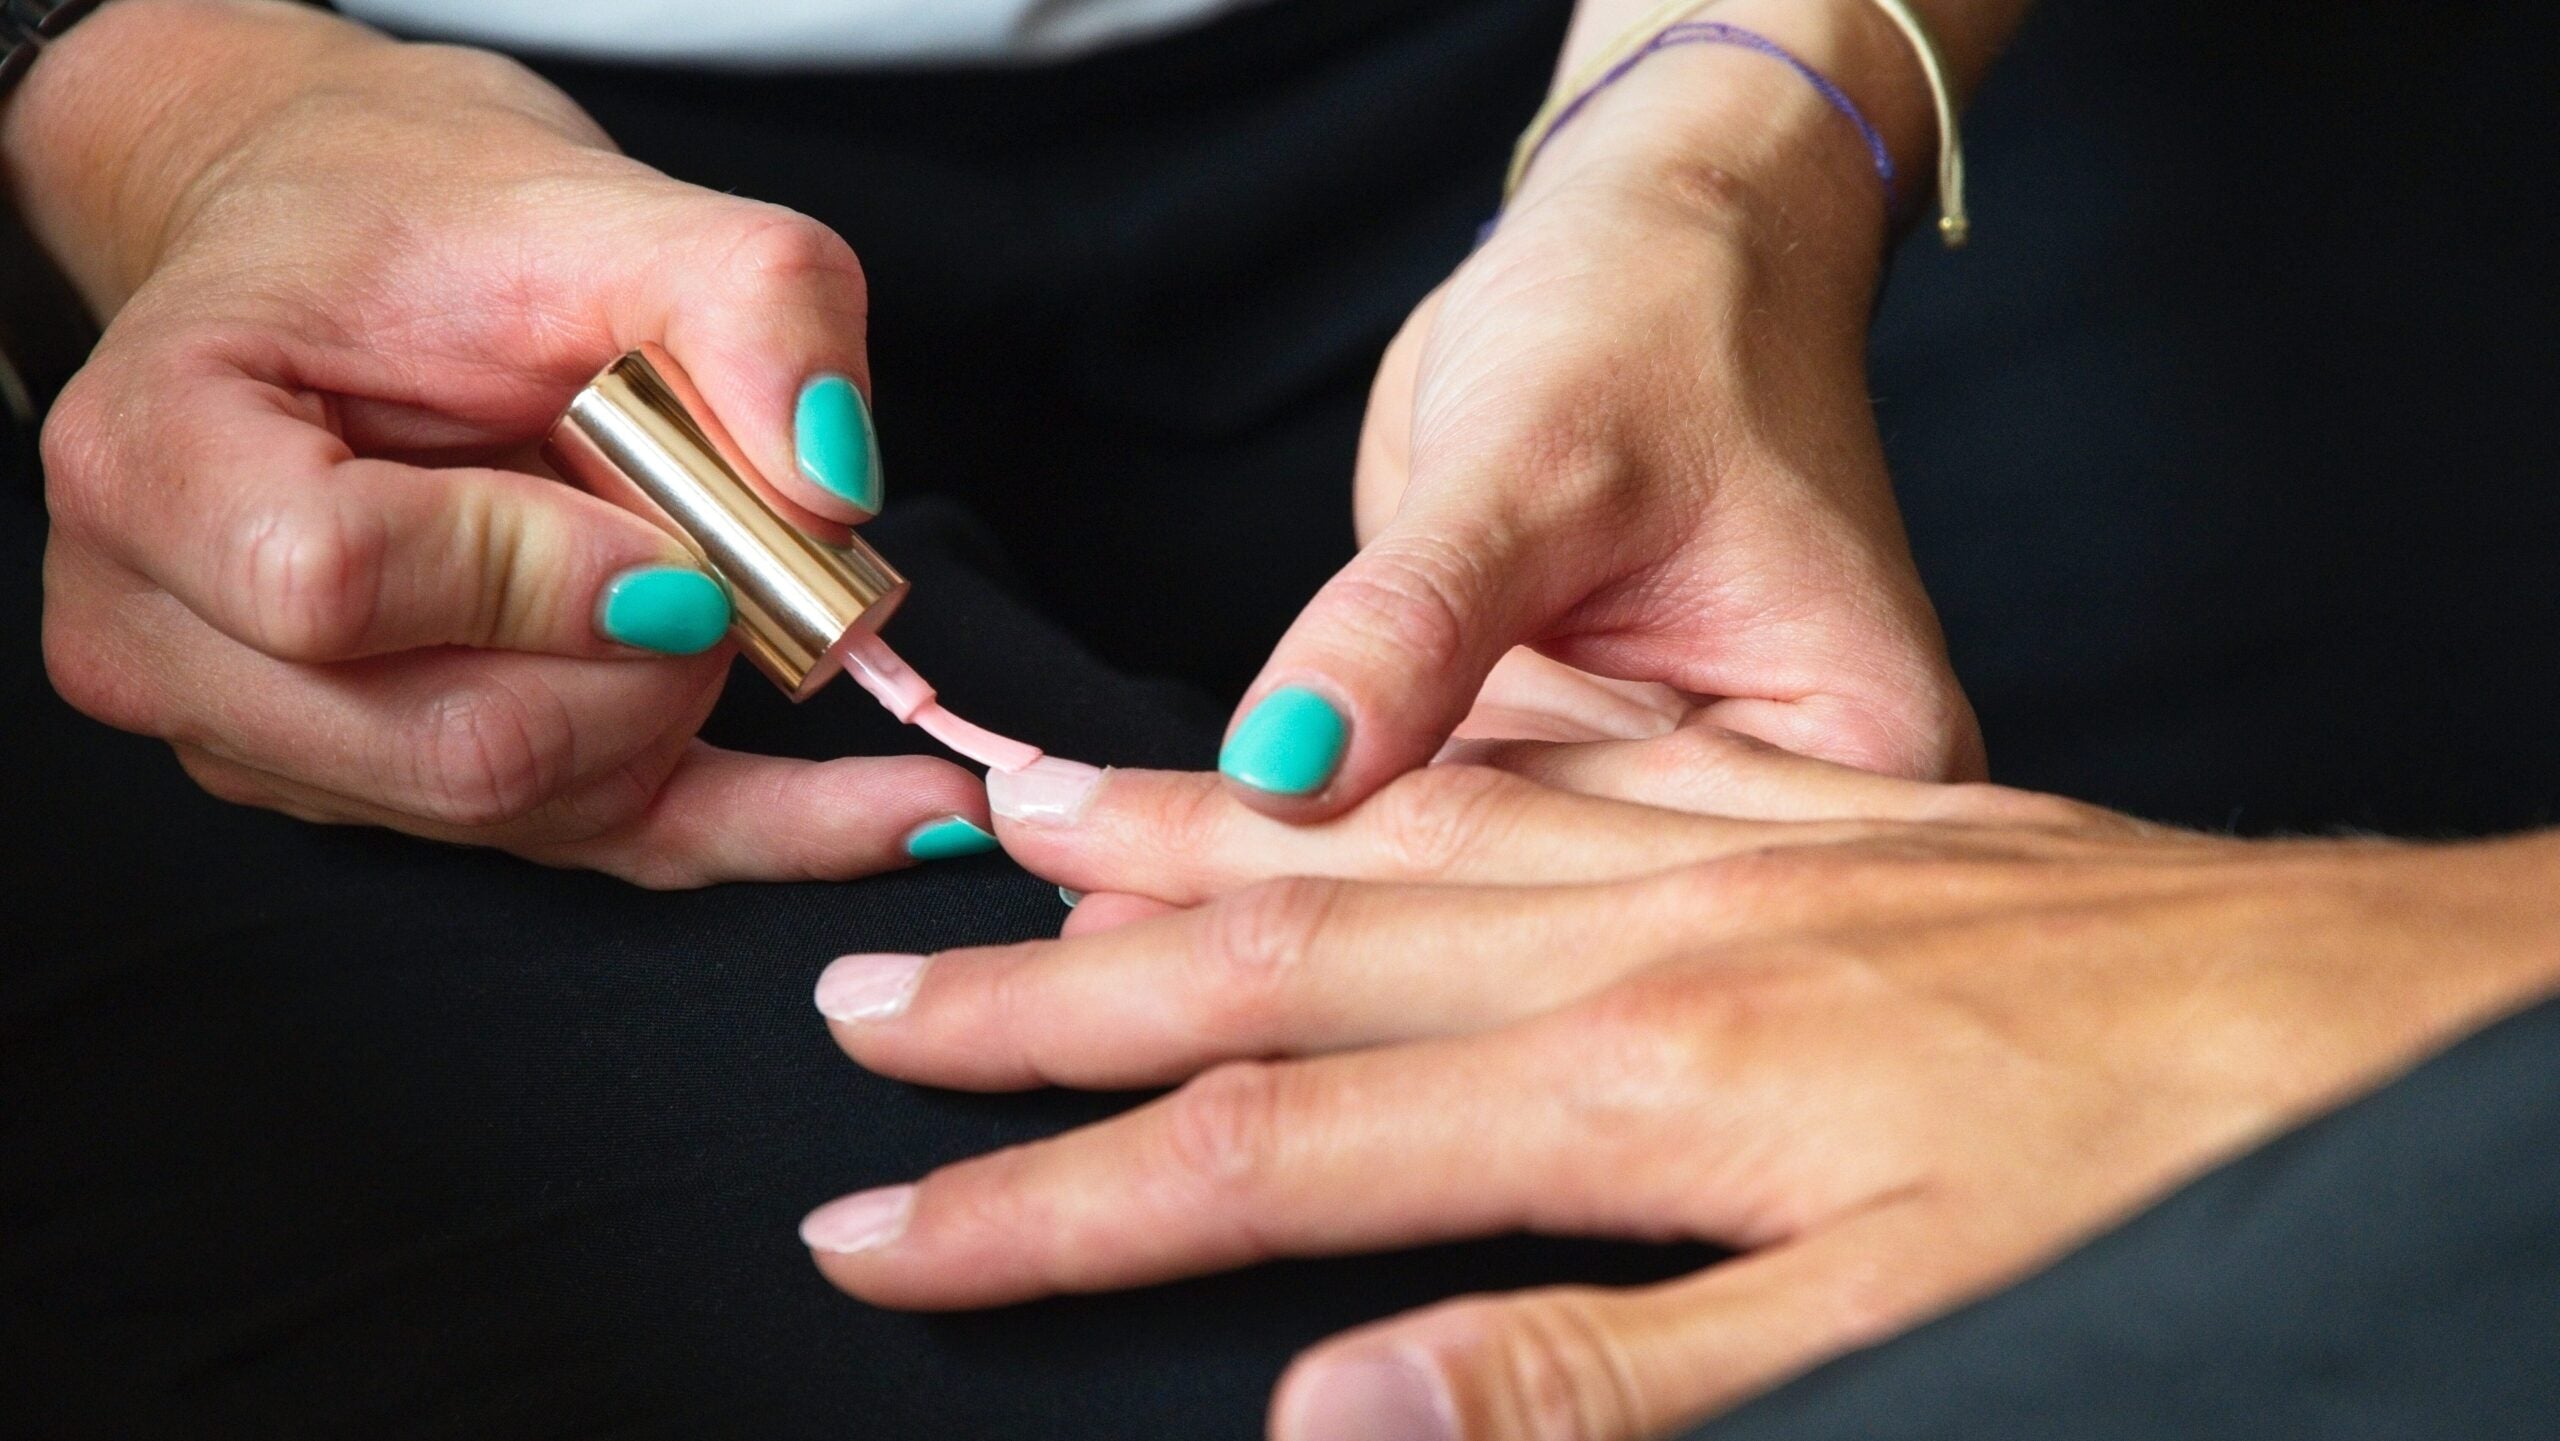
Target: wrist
[(124, 115), (1744, 131), (138, 119)]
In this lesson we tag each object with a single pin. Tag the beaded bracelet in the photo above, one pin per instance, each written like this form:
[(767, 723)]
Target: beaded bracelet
[(1668, 26)]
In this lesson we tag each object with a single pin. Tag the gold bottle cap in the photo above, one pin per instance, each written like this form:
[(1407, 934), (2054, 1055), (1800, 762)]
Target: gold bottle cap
[(640, 436)]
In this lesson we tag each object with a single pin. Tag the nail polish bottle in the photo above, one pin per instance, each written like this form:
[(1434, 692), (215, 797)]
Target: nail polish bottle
[(808, 595)]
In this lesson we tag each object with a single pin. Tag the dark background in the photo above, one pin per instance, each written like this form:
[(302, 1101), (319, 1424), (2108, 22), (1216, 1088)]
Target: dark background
[(2228, 456)]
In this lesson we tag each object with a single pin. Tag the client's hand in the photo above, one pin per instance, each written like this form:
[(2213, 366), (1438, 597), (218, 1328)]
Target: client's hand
[(351, 282), (1894, 1043), (1634, 431)]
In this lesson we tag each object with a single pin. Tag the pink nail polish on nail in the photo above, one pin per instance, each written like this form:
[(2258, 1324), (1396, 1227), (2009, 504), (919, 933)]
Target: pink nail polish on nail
[(863, 1221), (1047, 792), (1373, 1398), (869, 987)]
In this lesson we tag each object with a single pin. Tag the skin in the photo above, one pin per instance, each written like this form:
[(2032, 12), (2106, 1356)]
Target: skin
[(1633, 429), (295, 533), (350, 283), (1893, 1043)]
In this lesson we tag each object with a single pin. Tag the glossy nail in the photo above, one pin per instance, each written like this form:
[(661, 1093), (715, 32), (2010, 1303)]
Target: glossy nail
[(671, 609), (1047, 792), (868, 987), (1289, 746), (863, 1221), (948, 839), (839, 448), (1072, 898), (1371, 1398)]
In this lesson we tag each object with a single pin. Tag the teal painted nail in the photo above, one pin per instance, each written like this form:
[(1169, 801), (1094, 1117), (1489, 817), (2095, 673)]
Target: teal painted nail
[(1289, 746), (949, 839), (665, 608), (839, 448), (1072, 898)]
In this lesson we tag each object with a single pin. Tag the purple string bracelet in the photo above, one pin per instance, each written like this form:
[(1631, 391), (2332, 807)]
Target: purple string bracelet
[(1712, 32)]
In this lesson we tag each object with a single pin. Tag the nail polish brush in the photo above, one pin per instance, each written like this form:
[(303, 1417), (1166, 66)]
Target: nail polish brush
[(808, 596)]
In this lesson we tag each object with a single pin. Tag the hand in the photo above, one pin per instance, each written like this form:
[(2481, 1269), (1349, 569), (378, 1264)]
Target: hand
[(353, 283), (1895, 1044), (1633, 431)]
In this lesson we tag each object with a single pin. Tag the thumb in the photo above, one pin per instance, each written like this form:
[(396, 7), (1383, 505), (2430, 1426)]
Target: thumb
[(1381, 665), (1631, 1365), (773, 331)]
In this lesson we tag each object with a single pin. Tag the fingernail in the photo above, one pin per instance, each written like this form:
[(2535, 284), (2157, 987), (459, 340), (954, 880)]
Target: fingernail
[(839, 449), (1047, 792), (1072, 898), (863, 1221), (1289, 746), (671, 609), (868, 988), (1373, 1398), (948, 839)]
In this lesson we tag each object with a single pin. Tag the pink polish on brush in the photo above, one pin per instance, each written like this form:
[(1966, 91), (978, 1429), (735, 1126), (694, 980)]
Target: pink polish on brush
[(880, 671), (808, 596)]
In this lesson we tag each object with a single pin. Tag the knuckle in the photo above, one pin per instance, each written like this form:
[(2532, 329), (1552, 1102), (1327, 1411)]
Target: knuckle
[(73, 450), (1866, 1302), (787, 254), (1553, 1364), (1428, 820), (1415, 595), (1654, 1039), (1223, 1130), (1255, 946), (91, 681), (488, 755), (1190, 820), (307, 579)]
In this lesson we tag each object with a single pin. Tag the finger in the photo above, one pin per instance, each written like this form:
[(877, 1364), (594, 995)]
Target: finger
[(1707, 769), (710, 817), (1093, 915), (1530, 697), (1439, 1140), (1183, 838), (724, 816), (1288, 968), (773, 331), (266, 525), (454, 738), (1627, 1365), (1382, 664)]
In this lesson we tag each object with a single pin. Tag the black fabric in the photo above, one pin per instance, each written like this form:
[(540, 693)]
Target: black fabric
[(2221, 452), (2389, 1271)]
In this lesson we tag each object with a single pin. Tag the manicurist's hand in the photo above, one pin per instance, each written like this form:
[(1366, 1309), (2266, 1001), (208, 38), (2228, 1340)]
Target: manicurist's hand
[(1892, 1043), (351, 283), (1633, 430)]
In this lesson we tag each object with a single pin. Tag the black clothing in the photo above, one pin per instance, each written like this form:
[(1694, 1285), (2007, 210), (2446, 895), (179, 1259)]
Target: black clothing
[(2221, 455)]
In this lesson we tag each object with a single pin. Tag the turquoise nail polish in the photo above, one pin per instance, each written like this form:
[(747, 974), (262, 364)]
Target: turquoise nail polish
[(949, 839), (839, 448), (1289, 746), (665, 608), (1072, 898)]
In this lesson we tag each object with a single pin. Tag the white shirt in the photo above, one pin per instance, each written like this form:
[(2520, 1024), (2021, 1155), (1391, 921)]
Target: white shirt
[(774, 34)]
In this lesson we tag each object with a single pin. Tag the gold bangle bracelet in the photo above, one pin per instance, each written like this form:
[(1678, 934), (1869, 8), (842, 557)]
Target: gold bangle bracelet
[(1955, 226)]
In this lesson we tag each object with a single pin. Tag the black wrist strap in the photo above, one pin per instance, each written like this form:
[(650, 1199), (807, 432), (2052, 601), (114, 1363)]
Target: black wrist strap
[(25, 28)]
